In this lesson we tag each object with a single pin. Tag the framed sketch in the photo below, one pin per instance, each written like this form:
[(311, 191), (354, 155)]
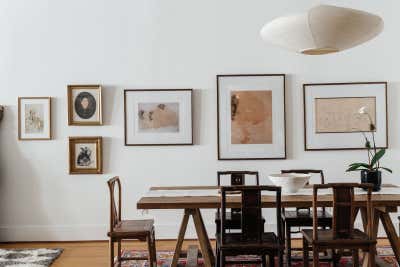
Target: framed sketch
[(332, 115), (251, 117), (84, 105), (34, 118), (158, 117), (85, 155)]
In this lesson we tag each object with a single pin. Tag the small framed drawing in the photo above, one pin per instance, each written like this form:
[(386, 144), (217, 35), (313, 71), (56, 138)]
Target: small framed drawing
[(84, 105), (85, 155), (34, 118), (332, 116), (251, 117), (158, 117)]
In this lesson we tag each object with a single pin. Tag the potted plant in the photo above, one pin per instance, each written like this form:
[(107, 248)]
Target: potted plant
[(370, 171)]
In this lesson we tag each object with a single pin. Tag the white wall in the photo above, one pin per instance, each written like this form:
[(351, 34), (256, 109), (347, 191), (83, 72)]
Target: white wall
[(46, 45)]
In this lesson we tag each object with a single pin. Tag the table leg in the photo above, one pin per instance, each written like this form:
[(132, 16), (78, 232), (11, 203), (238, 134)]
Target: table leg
[(391, 233), (181, 237), (204, 241)]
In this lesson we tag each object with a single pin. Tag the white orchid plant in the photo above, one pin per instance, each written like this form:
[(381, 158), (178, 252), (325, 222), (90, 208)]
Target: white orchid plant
[(374, 155)]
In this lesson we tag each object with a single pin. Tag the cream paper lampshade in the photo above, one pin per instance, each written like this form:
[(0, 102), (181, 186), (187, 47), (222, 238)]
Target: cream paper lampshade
[(323, 29)]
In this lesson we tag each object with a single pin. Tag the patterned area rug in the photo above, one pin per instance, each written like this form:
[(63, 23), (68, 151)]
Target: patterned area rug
[(164, 259), (28, 257)]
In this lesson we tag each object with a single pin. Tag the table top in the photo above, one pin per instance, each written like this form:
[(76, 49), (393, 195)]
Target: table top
[(268, 201)]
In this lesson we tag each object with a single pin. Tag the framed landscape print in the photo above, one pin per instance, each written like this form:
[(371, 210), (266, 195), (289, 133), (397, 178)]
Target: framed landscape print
[(84, 105), (251, 117), (158, 117), (332, 115), (85, 155), (34, 118)]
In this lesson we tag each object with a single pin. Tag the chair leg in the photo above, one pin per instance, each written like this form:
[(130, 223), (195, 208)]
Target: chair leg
[(222, 258), (288, 245), (119, 253), (356, 262), (217, 256), (371, 256), (271, 259), (280, 258), (305, 254), (111, 246), (263, 261), (154, 248), (315, 257)]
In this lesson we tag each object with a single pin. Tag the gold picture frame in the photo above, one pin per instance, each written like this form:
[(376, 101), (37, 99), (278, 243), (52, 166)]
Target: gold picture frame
[(41, 119), (87, 111), (86, 162)]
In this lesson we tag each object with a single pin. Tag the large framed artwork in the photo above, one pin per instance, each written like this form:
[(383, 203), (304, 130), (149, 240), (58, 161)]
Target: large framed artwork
[(84, 105), (85, 155), (336, 115), (34, 118), (251, 117), (158, 117)]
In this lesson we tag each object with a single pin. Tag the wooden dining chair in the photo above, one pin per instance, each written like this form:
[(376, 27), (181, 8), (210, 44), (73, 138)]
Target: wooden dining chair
[(302, 217), (142, 230), (235, 178), (342, 235), (251, 238)]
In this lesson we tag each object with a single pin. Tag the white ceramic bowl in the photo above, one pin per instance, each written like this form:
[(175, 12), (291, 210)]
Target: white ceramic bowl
[(290, 182)]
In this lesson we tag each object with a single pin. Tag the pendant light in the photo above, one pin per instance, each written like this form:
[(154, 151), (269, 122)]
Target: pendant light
[(322, 30)]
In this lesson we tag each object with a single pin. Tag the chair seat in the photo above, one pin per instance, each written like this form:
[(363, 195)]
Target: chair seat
[(234, 241), (325, 237), (133, 229), (233, 220), (295, 218)]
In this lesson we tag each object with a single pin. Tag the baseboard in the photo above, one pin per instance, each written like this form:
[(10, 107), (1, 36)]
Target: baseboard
[(58, 233)]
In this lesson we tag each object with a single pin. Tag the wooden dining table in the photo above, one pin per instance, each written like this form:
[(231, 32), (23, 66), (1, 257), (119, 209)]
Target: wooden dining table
[(383, 204)]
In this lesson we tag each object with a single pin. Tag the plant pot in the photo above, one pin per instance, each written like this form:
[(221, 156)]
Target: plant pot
[(372, 177)]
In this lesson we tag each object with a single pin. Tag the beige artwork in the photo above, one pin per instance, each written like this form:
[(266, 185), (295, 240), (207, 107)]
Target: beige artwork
[(251, 114), (158, 117), (340, 115), (34, 118)]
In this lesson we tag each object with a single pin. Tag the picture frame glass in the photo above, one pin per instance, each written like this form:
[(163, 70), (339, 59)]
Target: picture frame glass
[(332, 118), (251, 112), (85, 107), (34, 118), (158, 117)]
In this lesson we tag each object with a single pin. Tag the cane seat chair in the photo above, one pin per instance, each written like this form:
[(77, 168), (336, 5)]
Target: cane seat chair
[(142, 230), (302, 217), (342, 235), (251, 239), (235, 178)]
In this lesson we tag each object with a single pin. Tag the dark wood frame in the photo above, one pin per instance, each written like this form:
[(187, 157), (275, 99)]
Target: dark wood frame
[(332, 84), (19, 118), (98, 140), (71, 121), (284, 115), (159, 90)]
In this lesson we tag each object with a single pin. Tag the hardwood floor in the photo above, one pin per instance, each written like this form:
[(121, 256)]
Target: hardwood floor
[(95, 254)]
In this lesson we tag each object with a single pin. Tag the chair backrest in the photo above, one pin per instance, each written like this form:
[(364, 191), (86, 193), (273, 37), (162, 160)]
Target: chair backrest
[(307, 171), (237, 177), (115, 203), (252, 226), (343, 208)]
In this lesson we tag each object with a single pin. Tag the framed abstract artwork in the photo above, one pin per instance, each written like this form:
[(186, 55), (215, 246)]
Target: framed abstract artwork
[(251, 117), (34, 118), (85, 155), (158, 117), (84, 105), (336, 115)]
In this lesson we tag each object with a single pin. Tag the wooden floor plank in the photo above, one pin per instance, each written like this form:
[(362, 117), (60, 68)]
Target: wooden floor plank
[(95, 254)]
